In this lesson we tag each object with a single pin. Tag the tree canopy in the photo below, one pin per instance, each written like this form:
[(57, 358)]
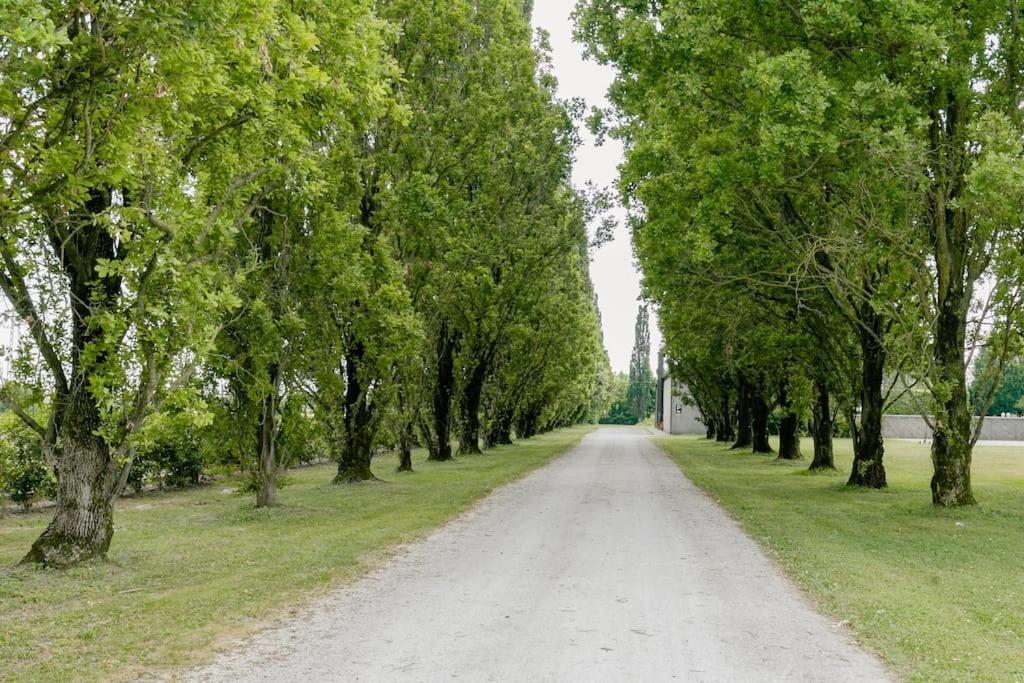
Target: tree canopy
[(824, 196), (284, 227)]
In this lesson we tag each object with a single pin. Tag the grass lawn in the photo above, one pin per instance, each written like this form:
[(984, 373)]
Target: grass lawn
[(189, 571), (939, 594)]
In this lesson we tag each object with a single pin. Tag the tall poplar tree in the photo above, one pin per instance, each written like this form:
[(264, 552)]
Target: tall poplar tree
[(641, 378)]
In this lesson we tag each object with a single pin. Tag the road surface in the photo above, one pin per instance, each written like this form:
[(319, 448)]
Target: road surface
[(607, 564)]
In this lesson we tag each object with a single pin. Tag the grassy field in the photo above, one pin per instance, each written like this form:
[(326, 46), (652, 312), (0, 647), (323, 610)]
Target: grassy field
[(191, 570), (939, 594)]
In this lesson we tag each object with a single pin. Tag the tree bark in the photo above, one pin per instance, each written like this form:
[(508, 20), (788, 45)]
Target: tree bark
[(759, 411), (953, 428), (266, 495), (405, 441), (710, 431), (868, 470), (528, 422), (83, 463), (744, 430), (952, 438), (822, 424), (444, 389), (725, 428), (789, 427), (469, 442), (357, 448), (83, 523), (499, 430)]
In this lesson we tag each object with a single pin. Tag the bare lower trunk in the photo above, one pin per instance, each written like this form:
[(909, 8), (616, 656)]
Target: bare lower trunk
[(868, 470), (709, 430), (266, 494), (83, 523), (444, 390), (789, 428), (357, 449), (527, 425), (951, 230), (499, 431), (759, 411), (952, 435), (85, 468), (405, 440), (744, 430), (823, 428), (354, 464), (469, 442), (725, 427)]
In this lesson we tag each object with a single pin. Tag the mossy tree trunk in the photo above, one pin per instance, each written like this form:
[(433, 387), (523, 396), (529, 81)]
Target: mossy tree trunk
[(357, 449), (952, 438), (83, 522), (868, 469), (85, 467)]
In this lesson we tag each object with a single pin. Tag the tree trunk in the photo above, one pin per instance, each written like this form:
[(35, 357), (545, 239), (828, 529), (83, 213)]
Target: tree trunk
[(469, 442), (499, 430), (952, 435), (789, 427), (725, 429), (744, 430), (868, 470), (759, 411), (952, 438), (527, 424), (357, 450), (83, 524), (83, 464), (405, 440), (444, 389), (710, 430), (823, 428), (266, 495)]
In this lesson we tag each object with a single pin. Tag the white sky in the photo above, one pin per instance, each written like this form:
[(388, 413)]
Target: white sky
[(613, 270)]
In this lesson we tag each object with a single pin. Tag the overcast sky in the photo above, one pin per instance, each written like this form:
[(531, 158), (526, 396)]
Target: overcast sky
[(615, 277)]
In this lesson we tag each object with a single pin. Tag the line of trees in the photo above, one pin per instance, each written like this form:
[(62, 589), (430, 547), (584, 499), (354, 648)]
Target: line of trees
[(827, 204), (275, 219)]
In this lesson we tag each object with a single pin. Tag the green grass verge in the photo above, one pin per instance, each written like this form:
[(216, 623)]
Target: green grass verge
[(190, 571), (938, 593)]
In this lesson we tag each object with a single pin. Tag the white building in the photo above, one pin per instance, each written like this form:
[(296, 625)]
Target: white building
[(674, 412)]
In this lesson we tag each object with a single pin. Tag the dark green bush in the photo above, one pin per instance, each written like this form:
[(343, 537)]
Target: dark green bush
[(170, 455), (25, 476)]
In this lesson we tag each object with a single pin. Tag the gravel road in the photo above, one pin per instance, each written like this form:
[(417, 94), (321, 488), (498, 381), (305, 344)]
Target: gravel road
[(606, 565)]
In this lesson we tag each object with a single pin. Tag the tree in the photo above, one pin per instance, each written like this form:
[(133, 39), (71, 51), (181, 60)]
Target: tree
[(125, 172), (641, 379), (313, 148)]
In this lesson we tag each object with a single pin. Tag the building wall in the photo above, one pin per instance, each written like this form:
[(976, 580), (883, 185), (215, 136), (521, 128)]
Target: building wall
[(680, 418), (915, 427)]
